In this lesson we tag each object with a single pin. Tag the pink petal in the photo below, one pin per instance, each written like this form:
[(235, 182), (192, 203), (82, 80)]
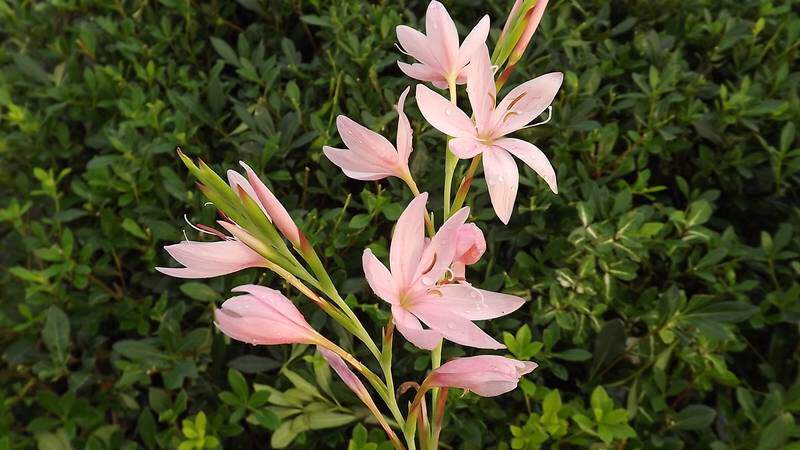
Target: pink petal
[(473, 41), (355, 166), (423, 72), (440, 317), (486, 375), (263, 316), (210, 259), (367, 143), (412, 330), (408, 240), (404, 133), (416, 45), (526, 102), (275, 210), (237, 180), (442, 35), (275, 300), (533, 157), (443, 115), (470, 243), (466, 147), (478, 304), (481, 90), (438, 255), (340, 367), (502, 178), (379, 278)]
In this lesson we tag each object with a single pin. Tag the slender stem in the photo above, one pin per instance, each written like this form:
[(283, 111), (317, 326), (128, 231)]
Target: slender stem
[(415, 190), (466, 182), (438, 419), (436, 361), (450, 160)]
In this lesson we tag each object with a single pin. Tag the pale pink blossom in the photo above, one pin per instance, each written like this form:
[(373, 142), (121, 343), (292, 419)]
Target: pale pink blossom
[(210, 259), (263, 316), (486, 375), (370, 156), (486, 134), (440, 58), (414, 285), (272, 208), (470, 246)]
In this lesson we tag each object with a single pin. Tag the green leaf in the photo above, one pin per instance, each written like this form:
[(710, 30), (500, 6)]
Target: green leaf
[(238, 384), (225, 51), (775, 435), (133, 228), (694, 417), (608, 344), (574, 354), (56, 334), (199, 291)]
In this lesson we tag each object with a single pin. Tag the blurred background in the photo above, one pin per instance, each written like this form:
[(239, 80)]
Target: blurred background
[(663, 279)]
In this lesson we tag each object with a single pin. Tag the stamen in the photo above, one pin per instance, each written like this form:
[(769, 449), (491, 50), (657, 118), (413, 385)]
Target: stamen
[(449, 275), (549, 116), (195, 227), (433, 262), (516, 100)]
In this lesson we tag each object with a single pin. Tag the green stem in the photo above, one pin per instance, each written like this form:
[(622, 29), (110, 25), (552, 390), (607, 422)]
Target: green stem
[(436, 361), (415, 190), (466, 182), (450, 160)]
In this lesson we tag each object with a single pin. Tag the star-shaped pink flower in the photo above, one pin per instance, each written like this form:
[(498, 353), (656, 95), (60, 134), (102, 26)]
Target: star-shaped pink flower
[(486, 134)]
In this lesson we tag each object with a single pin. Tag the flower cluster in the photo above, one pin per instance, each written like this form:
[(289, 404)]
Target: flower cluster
[(424, 283)]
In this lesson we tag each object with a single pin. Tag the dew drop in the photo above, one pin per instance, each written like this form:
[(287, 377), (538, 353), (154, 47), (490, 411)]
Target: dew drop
[(448, 111), (473, 294), (500, 179), (427, 281), (451, 325)]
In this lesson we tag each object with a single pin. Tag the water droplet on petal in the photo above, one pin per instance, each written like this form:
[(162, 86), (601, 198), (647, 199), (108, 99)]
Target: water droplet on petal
[(473, 294), (427, 281), (448, 111), (500, 179), (451, 325)]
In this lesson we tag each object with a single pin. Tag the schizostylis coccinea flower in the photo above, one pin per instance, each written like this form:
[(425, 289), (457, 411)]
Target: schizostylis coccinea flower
[(486, 134), (412, 284), (441, 59), (369, 155), (485, 375)]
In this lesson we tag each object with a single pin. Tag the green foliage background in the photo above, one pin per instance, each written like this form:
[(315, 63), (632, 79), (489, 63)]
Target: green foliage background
[(663, 279)]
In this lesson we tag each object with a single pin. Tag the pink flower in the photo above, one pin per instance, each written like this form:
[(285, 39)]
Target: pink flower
[(272, 208), (370, 156), (263, 316), (414, 290), (210, 259), (492, 122), (470, 246), (439, 55), (486, 375)]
